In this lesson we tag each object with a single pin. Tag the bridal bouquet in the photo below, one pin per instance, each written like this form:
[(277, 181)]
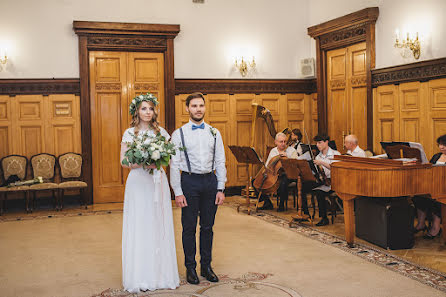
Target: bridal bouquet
[(37, 180), (146, 150)]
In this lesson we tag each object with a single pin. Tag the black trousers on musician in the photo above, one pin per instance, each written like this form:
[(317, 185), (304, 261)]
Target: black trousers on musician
[(200, 192), (321, 202), (282, 191)]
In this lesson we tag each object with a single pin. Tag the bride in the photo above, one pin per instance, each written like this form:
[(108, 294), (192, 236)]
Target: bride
[(148, 245)]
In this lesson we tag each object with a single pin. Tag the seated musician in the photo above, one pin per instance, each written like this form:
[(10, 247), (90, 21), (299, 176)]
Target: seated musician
[(323, 159), (296, 141), (285, 151), (351, 144), (426, 206)]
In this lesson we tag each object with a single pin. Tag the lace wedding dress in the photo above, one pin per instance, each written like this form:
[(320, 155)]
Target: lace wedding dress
[(148, 244)]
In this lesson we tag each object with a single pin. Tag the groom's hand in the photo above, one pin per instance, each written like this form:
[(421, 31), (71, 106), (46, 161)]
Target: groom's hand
[(181, 201), (219, 198)]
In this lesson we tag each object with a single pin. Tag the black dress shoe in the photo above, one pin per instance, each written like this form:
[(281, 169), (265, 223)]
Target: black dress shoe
[(323, 222), (192, 277), (280, 209), (209, 274)]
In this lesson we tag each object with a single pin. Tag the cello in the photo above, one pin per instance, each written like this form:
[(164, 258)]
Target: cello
[(267, 179)]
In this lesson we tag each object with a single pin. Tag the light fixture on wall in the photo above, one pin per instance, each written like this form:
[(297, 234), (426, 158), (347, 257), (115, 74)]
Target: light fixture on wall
[(3, 59), (409, 43), (244, 66)]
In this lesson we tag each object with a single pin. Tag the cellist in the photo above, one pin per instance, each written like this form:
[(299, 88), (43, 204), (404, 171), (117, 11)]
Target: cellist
[(284, 150), (323, 159)]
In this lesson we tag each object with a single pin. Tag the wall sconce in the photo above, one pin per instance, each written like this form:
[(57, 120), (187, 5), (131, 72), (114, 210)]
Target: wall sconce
[(243, 66), (3, 60), (409, 43)]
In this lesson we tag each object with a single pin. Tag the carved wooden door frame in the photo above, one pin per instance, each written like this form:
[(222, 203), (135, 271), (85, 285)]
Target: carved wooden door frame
[(110, 36), (341, 32)]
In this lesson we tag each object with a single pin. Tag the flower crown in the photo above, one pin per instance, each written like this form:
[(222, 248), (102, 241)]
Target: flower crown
[(136, 102)]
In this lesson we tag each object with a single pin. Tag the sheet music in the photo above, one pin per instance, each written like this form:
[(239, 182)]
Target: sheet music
[(382, 156), (420, 148)]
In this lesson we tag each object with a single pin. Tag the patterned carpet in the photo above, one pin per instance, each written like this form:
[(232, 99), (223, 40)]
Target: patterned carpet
[(250, 284), (238, 286)]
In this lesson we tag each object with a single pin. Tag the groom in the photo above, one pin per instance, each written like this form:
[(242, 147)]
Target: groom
[(198, 190)]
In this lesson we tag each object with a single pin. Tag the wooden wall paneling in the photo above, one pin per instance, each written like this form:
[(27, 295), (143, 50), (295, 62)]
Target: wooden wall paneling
[(6, 145), (387, 113), (294, 106), (218, 116), (242, 133), (436, 114), (181, 116), (419, 71), (64, 124), (29, 123), (245, 86), (412, 111)]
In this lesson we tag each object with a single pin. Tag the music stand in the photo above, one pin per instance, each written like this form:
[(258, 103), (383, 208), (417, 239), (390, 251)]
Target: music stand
[(300, 171), (402, 151), (246, 155)]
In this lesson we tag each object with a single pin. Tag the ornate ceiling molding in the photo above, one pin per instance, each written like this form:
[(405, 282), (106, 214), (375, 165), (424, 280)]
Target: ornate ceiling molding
[(234, 86), (420, 71)]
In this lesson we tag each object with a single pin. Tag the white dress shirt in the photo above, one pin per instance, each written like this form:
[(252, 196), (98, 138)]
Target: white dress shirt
[(290, 153), (327, 158), (357, 152), (200, 150)]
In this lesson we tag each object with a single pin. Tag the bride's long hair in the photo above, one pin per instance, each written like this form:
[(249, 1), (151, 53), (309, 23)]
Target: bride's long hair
[(154, 124)]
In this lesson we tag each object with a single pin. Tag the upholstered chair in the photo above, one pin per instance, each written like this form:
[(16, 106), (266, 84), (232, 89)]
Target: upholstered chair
[(13, 165), (70, 165), (44, 165)]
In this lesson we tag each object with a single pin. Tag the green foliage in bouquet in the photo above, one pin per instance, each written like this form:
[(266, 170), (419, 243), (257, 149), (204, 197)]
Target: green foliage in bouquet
[(146, 150)]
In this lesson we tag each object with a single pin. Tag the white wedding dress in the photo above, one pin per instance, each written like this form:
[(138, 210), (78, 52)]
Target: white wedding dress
[(148, 244)]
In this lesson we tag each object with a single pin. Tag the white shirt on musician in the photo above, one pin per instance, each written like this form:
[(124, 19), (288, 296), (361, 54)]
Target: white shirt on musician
[(328, 158), (290, 153), (200, 150), (357, 152)]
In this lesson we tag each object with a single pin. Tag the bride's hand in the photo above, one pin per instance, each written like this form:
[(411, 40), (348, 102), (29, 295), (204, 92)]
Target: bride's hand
[(153, 166)]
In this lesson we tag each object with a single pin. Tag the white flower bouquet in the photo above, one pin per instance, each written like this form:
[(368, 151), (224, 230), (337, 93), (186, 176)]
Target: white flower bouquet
[(37, 180), (147, 150)]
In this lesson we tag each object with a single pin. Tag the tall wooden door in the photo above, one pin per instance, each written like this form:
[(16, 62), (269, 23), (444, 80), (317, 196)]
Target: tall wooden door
[(115, 78), (347, 94)]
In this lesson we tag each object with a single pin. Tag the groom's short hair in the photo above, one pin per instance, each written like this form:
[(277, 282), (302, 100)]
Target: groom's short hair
[(193, 96)]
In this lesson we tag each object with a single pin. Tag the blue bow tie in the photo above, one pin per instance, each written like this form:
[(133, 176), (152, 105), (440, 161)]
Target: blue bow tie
[(197, 126)]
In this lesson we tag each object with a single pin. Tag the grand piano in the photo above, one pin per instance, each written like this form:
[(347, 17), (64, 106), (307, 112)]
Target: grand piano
[(353, 177)]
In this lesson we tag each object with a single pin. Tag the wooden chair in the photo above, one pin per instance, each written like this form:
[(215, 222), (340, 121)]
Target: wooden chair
[(70, 165), (14, 165), (44, 165)]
